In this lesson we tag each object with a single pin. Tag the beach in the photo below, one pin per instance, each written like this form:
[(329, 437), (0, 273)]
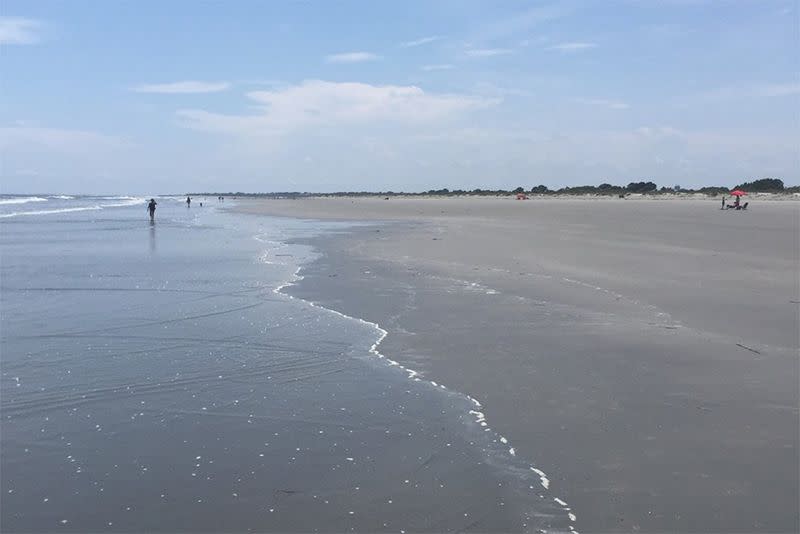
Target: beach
[(641, 353)]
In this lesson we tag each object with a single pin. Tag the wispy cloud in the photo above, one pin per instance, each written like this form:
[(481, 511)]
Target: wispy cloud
[(256, 81), (443, 66), (351, 57), (183, 87), (19, 31), (59, 139), (488, 52), (47, 158), (602, 102), (490, 89), (524, 20), (533, 41), (422, 41), (753, 90), (575, 46), (777, 89)]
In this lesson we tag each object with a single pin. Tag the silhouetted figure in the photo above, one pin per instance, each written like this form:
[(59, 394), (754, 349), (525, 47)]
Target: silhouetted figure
[(723, 202), (151, 207), (188, 202)]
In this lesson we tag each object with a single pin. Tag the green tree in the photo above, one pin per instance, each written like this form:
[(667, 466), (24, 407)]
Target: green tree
[(763, 185), (641, 187)]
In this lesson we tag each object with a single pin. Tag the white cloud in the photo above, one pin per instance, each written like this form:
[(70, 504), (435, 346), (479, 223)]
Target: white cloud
[(320, 103), (19, 31), (351, 57), (443, 66), (488, 52), (184, 87), (602, 102), (572, 46), (422, 41)]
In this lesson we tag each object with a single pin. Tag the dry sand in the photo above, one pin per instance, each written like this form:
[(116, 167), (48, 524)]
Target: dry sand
[(643, 353)]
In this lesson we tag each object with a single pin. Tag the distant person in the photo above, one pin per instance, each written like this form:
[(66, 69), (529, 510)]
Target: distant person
[(188, 202), (723, 202), (736, 203), (151, 207)]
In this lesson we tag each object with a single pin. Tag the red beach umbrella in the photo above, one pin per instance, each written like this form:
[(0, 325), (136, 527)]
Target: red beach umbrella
[(738, 193)]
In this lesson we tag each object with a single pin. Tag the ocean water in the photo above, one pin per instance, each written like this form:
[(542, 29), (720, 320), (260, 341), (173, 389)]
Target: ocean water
[(155, 377)]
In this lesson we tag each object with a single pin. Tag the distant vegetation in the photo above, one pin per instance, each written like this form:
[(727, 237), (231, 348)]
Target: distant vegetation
[(765, 185), (770, 185)]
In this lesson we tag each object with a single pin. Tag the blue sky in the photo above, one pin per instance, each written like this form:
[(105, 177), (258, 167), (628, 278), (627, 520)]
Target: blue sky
[(156, 97)]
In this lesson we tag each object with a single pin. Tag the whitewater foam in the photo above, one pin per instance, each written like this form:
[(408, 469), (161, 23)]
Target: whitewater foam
[(21, 200), (124, 202), (49, 212)]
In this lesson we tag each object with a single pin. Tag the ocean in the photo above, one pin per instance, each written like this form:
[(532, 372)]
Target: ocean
[(158, 377)]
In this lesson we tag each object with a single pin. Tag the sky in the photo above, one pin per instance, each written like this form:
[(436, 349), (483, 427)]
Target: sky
[(152, 97)]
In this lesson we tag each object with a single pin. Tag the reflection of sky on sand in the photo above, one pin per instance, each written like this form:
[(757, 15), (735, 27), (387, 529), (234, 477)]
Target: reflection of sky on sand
[(152, 236), (152, 391)]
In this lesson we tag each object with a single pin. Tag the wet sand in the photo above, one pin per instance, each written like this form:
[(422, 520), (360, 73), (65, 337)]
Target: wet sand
[(644, 354)]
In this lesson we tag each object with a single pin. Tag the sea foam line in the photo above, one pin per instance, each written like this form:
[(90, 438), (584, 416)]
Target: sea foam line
[(21, 200), (48, 212), (126, 201), (479, 416)]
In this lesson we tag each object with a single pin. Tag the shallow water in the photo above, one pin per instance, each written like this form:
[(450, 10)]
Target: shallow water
[(154, 377)]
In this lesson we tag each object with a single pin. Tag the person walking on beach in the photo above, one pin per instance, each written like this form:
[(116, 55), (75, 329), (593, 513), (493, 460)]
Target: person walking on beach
[(188, 202), (723, 202), (151, 207)]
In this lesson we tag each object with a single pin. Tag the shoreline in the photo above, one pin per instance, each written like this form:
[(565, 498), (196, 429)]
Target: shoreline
[(276, 410), (475, 412), (421, 300)]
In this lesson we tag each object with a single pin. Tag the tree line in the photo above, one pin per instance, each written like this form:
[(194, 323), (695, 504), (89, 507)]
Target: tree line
[(765, 185)]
